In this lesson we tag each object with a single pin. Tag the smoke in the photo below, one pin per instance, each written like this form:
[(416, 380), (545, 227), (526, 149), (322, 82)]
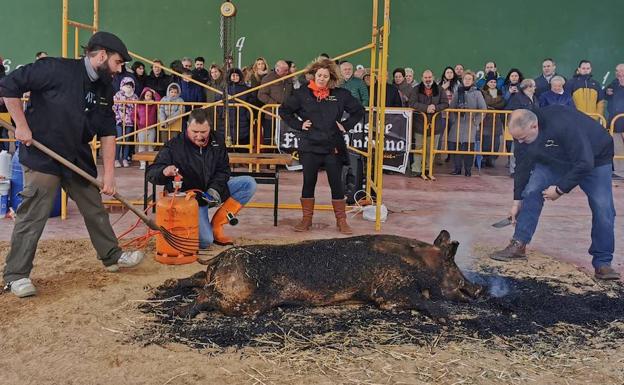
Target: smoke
[(497, 286)]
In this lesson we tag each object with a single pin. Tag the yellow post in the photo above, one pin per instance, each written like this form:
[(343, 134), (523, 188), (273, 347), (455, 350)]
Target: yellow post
[(64, 33), (96, 15), (76, 43), (371, 98), (381, 117)]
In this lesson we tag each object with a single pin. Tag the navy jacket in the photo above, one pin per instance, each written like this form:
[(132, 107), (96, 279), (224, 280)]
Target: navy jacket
[(542, 85), (65, 111), (568, 141), (549, 98)]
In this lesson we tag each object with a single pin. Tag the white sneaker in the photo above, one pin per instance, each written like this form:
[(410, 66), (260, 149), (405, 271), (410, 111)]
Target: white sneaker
[(117, 164), (142, 165), (125, 163), (127, 259), (22, 288)]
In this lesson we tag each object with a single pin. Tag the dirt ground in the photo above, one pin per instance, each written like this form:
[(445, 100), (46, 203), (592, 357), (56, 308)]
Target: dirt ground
[(82, 327)]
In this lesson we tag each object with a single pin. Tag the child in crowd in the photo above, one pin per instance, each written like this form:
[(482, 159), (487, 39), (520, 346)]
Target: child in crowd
[(147, 115), (169, 111), (124, 115)]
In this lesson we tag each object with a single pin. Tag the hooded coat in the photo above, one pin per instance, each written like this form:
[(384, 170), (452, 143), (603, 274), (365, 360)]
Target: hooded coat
[(124, 112), (147, 114)]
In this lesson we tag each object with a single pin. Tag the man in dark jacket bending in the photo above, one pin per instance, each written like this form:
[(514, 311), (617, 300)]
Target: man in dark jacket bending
[(70, 102), (558, 148), (201, 159)]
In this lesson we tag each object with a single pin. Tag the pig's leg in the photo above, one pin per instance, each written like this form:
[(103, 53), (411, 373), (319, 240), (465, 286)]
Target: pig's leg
[(203, 302), (196, 280), (409, 298)]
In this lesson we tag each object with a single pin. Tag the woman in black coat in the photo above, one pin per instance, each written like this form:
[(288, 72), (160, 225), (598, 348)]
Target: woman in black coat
[(317, 110)]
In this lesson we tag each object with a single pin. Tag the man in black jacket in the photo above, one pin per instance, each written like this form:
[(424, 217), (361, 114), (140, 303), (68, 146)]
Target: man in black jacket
[(201, 159), (558, 148), (70, 102)]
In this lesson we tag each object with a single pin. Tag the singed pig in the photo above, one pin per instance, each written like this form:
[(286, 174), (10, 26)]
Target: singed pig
[(389, 271)]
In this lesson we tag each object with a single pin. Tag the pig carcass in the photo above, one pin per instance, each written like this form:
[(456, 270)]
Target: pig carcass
[(389, 271)]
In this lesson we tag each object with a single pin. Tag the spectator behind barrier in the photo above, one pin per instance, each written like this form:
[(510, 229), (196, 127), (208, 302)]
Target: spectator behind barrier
[(157, 79), (494, 100), (398, 77), (277, 92), (491, 67), (615, 98), (169, 111), (199, 72), (393, 98), (356, 86), (557, 94), (459, 71), (542, 82), (409, 78), (449, 81), (464, 126), (235, 85), (586, 92), (138, 69), (427, 98), (512, 80), (124, 116), (147, 115)]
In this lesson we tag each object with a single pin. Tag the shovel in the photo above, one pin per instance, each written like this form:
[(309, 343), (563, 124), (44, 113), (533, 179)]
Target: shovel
[(177, 242)]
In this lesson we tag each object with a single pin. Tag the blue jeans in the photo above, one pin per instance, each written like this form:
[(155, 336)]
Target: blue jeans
[(123, 151), (597, 187), (242, 188)]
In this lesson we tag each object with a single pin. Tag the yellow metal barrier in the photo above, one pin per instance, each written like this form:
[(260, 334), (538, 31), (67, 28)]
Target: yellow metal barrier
[(601, 119), (479, 124), (613, 133), (172, 126), (421, 149), (267, 121)]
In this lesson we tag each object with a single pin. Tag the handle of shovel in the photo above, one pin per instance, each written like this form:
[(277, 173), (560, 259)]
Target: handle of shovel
[(86, 176)]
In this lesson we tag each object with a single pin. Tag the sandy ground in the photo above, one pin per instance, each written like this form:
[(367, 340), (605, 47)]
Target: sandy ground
[(80, 328)]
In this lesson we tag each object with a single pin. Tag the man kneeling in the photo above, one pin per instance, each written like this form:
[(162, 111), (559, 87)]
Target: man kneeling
[(201, 160)]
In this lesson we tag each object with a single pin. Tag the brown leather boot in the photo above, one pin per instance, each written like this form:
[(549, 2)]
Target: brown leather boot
[(341, 216), (516, 250), (307, 208), (607, 273)]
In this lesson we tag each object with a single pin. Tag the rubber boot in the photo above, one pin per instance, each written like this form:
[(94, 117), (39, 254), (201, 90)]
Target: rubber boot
[(341, 216), (229, 207), (307, 208)]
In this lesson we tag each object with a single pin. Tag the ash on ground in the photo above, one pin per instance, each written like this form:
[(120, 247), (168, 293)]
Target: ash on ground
[(539, 314)]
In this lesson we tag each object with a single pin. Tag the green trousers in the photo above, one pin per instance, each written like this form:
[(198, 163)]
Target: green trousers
[(32, 214)]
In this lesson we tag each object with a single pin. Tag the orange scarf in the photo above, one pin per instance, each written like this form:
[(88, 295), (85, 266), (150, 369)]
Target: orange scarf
[(320, 93)]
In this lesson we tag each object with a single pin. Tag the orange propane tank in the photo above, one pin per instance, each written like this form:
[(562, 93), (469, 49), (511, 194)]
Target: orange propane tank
[(179, 214)]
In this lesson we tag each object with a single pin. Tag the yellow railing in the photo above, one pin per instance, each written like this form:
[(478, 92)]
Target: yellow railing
[(601, 119), (469, 127), (613, 133), (421, 150)]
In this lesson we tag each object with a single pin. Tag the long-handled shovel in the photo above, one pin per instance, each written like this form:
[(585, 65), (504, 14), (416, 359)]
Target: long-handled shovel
[(180, 243)]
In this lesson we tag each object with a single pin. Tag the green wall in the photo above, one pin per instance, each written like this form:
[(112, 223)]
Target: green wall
[(424, 34)]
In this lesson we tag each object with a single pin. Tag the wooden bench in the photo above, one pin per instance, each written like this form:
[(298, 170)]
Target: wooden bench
[(261, 177)]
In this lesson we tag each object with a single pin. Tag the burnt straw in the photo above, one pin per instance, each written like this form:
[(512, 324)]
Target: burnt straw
[(533, 312)]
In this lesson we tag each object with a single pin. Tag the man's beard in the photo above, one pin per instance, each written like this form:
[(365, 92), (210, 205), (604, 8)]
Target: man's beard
[(104, 73)]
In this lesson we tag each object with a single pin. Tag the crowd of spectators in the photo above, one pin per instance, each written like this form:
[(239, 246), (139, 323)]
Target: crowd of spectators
[(455, 88)]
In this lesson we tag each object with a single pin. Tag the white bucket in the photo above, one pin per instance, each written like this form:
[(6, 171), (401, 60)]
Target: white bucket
[(4, 197), (5, 165)]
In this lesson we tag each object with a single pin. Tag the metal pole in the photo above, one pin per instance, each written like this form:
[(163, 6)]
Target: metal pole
[(64, 29), (96, 15), (382, 115), (371, 99)]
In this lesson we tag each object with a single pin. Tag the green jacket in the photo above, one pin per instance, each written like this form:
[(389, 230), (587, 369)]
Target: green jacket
[(358, 89)]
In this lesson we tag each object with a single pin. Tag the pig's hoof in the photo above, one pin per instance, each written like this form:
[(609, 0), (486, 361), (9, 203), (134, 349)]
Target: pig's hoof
[(170, 283)]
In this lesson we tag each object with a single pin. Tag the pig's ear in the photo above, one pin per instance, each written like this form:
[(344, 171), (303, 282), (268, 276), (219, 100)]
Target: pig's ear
[(443, 238), (452, 250)]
